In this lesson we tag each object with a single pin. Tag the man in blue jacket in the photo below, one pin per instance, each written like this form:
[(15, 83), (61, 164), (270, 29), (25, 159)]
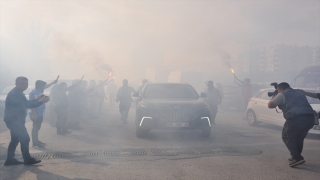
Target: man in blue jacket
[(16, 106), (36, 114)]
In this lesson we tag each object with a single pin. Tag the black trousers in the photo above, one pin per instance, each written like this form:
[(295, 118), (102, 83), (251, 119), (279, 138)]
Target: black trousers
[(74, 116), (124, 110), (293, 134), (36, 125), (62, 117), (19, 134)]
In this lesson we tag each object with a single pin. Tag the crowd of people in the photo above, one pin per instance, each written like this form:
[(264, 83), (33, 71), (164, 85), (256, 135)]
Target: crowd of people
[(80, 101), (71, 105)]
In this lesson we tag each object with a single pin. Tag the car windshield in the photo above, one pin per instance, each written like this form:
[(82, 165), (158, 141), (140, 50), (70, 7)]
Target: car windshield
[(307, 81), (170, 91)]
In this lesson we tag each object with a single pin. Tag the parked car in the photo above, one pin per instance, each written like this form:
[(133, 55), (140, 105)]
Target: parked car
[(258, 111), (3, 95), (309, 77), (171, 106), (233, 97)]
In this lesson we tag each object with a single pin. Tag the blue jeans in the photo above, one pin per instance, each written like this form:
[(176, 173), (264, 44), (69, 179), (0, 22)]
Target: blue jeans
[(36, 125), (19, 134)]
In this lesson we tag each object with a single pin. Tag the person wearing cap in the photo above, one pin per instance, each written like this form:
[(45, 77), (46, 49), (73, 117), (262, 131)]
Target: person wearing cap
[(213, 99), (36, 114), (125, 99), (15, 113)]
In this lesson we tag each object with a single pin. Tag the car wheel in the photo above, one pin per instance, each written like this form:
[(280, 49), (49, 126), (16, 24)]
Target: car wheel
[(206, 132), (252, 118)]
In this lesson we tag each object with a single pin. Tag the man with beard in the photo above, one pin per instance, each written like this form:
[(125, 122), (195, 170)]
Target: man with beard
[(16, 105), (125, 99)]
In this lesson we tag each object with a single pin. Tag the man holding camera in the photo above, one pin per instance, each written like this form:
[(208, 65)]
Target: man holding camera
[(299, 117)]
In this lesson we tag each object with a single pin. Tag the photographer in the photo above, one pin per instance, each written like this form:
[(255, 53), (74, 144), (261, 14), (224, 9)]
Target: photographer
[(313, 95), (299, 119)]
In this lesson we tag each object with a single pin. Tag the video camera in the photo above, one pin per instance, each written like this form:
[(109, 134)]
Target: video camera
[(275, 85)]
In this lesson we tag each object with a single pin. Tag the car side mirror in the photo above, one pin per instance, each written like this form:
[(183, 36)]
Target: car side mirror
[(203, 95), (136, 94)]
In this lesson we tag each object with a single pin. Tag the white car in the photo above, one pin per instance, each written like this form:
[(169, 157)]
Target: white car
[(3, 95), (258, 111)]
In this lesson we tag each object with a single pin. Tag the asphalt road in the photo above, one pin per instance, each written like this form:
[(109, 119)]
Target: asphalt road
[(107, 149)]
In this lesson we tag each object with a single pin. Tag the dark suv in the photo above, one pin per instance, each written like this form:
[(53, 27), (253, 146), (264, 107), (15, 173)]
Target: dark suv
[(171, 106)]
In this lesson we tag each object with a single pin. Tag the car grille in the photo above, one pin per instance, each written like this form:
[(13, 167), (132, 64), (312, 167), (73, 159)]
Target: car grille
[(176, 115)]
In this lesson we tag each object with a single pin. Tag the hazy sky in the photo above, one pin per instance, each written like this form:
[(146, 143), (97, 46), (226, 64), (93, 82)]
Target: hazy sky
[(72, 38)]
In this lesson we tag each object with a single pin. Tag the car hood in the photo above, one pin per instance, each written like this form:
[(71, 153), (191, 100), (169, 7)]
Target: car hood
[(315, 107), (3, 97), (173, 103)]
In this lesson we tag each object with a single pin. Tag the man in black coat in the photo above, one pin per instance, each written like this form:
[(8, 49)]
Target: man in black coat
[(16, 106)]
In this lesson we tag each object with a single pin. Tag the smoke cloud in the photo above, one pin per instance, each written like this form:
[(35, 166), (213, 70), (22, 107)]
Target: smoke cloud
[(80, 37)]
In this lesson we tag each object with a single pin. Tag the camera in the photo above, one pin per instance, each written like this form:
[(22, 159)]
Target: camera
[(275, 85)]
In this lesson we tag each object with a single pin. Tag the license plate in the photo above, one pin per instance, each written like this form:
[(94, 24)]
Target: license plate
[(177, 124)]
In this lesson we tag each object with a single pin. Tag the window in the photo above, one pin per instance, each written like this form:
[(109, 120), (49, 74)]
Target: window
[(264, 95), (299, 81), (170, 91), (312, 81)]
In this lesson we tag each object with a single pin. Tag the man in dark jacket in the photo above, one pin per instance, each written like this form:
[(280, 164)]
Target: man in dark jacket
[(299, 117), (125, 99), (213, 99), (16, 106), (61, 101)]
